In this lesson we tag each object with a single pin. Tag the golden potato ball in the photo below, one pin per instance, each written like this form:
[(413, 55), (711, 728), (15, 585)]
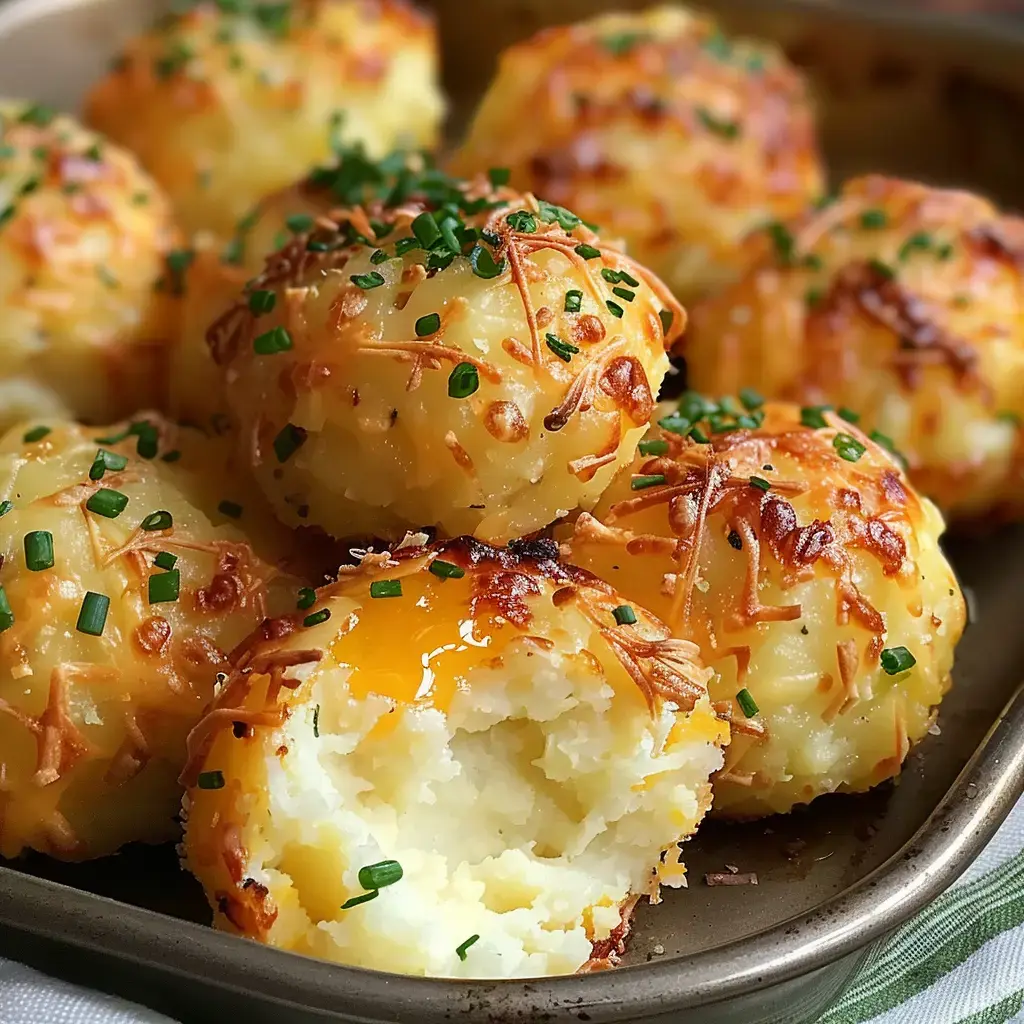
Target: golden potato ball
[(659, 128), (460, 356), (902, 303), (228, 102), (793, 551), (488, 798), (84, 233), (121, 598)]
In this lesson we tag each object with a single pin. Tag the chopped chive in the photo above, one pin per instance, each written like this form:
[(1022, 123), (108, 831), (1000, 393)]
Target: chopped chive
[(499, 176), (848, 447), (211, 780), (178, 263), (307, 598), (5, 507), (106, 460), (164, 586), (945, 251), (522, 221), (614, 308), (624, 615), (446, 570), (814, 297), (640, 483), (261, 302), (39, 550), (874, 219), (367, 281), (171, 456), (883, 270), (165, 560), (37, 114), (288, 441), (718, 125), (356, 900), (552, 214), (812, 416), (588, 252), (316, 721), (760, 483), (562, 349), (317, 617), (484, 264), (653, 447), (230, 509), (297, 223), (425, 228), (747, 703), (573, 300), (813, 261), (461, 950), (1006, 416), (380, 875), (107, 503), (463, 381), (35, 434), (783, 241), (624, 293), (848, 414), (666, 316), (897, 659), (6, 613), (698, 435), (386, 588), (277, 339), (93, 615), (148, 439), (427, 325), (161, 520), (379, 256), (919, 241), (404, 245), (751, 399)]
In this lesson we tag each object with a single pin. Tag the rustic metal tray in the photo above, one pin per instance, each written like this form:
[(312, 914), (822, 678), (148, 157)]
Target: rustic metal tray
[(939, 99)]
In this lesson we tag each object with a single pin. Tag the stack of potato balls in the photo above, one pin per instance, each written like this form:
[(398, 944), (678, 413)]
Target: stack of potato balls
[(393, 577)]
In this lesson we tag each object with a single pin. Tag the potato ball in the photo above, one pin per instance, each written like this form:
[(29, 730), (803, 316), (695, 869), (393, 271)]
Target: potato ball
[(488, 798), (229, 101), (83, 238), (903, 303), (660, 129), (459, 355), (120, 599), (791, 548)]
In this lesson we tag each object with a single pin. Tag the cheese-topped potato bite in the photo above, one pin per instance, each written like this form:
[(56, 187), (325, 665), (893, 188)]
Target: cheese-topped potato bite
[(659, 128), (226, 102), (84, 233), (791, 548), (488, 798), (121, 596), (456, 354), (902, 302)]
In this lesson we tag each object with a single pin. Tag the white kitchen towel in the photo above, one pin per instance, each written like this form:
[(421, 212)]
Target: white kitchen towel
[(960, 961)]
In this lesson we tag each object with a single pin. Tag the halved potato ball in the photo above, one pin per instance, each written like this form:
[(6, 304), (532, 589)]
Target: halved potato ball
[(83, 238), (792, 549), (227, 102), (488, 798), (120, 601), (460, 356), (901, 302), (660, 129)]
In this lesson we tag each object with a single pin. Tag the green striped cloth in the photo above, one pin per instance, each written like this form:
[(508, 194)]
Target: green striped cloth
[(960, 961)]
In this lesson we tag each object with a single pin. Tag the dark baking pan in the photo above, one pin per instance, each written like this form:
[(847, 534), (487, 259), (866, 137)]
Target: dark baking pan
[(938, 99)]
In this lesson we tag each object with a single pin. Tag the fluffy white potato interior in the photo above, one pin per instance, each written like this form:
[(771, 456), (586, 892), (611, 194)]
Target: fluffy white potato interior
[(528, 795)]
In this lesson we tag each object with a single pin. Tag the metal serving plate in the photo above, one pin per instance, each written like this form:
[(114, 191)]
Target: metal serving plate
[(942, 100)]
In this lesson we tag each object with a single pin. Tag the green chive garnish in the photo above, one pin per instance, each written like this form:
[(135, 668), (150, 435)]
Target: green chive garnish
[(573, 301), (653, 447), (317, 617), (35, 434), (106, 460), (380, 875), (356, 900), (297, 223), (211, 780), (288, 441), (39, 550), (614, 308), (261, 302), (522, 221), (624, 293), (6, 613), (883, 270), (588, 252), (814, 297), (161, 520), (641, 483), (164, 586), (463, 381), (277, 339), (307, 598), (171, 456), (499, 176), (848, 447), (751, 399), (624, 615), (760, 483), (812, 416), (874, 219), (316, 721), (379, 256), (165, 560), (93, 616), (461, 950), (367, 281), (920, 241), (699, 436), (5, 507), (446, 570), (666, 316), (848, 414), (427, 325), (719, 125), (386, 588), (747, 703), (107, 503), (483, 263), (562, 349), (897, 659), (230, 509)]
